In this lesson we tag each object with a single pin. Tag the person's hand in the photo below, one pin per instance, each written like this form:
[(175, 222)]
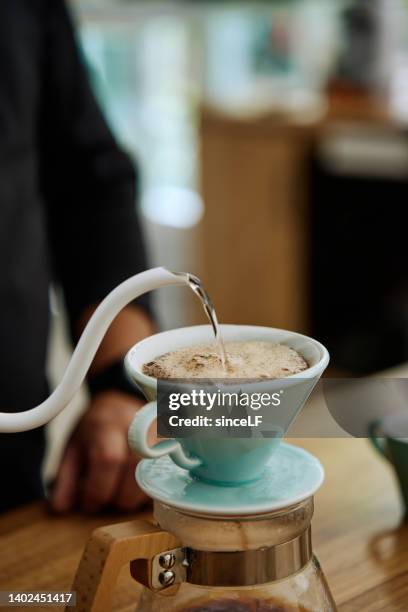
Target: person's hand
[(98, 468)]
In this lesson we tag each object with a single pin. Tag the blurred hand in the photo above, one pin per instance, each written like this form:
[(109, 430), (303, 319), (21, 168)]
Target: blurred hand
[(98, 468)]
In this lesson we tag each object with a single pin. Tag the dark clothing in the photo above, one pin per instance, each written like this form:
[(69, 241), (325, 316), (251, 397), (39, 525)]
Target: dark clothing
[(67, 212)]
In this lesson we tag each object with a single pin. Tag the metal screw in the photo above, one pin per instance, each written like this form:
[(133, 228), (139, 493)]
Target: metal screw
[(167, 578), (167, 560)]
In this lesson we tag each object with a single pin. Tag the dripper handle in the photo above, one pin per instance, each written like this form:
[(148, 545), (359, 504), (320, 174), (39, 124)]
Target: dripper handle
[(138, 440), (87, 346)]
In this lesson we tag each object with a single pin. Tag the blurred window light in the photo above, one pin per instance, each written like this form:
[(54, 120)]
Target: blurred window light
[(270, 56), (173, 206)]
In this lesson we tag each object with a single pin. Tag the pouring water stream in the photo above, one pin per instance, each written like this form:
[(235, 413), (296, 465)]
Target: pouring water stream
[(209, 309)]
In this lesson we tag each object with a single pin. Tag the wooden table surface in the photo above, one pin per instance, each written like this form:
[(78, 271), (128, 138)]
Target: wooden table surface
[(357, 536)]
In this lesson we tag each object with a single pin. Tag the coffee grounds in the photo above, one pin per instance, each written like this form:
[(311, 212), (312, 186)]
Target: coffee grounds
[(253, 359)]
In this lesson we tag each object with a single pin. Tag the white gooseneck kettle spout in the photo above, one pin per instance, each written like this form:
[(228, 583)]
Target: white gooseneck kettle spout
[(87, 346)]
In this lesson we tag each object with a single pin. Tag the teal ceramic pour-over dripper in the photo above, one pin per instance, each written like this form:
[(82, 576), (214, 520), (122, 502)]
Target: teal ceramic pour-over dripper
[(224, 461)]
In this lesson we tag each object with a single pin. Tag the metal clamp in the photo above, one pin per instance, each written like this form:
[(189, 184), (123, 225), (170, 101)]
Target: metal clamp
[(224, 568)]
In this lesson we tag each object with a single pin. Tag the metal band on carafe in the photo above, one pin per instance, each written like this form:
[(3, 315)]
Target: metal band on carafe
[(224, 568)]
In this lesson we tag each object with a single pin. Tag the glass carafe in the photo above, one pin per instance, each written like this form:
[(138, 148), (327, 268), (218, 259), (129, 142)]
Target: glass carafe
[(261, 563)]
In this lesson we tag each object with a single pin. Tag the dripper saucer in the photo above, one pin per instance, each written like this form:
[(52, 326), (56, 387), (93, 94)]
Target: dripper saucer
[(290, 476)]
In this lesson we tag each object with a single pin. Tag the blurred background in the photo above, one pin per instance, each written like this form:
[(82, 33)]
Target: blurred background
[(271, 140)]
